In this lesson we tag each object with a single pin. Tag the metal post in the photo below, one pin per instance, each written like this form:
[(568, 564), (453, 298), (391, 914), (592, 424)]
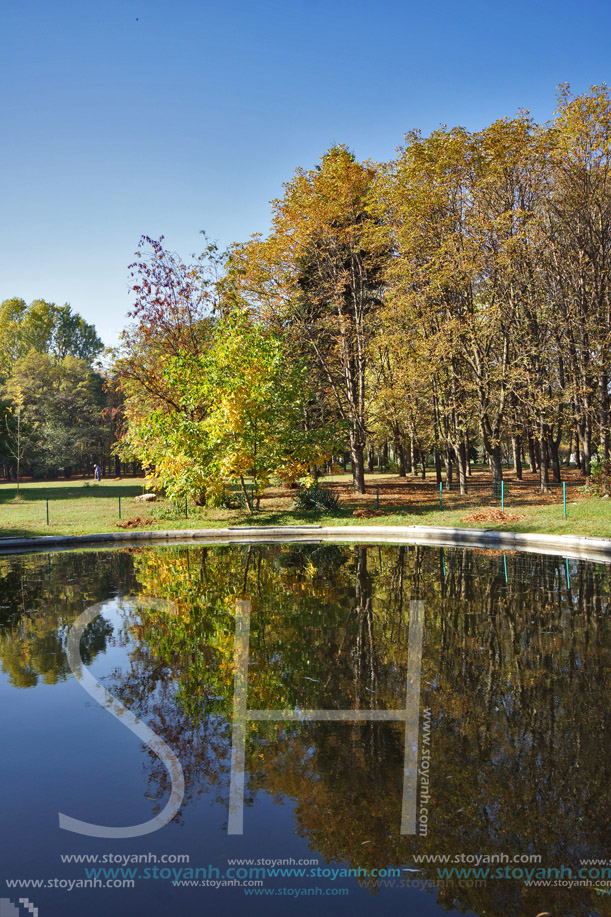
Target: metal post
[(119, 506), (377, 496), (440, 495), (47, 512), (502, 495), (564, 497)]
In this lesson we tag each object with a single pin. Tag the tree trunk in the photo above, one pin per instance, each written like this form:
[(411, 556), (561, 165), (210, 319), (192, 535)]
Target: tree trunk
[(577, 450), (400, 458), (604, 417), (357, 449), (461, 462), (447, 457), (370, 460), (423, 464), (437, 466), (585, 442), (517, 455), (496, 466), (544, 458), (532, 455), (412, 452), (385, 456), (555, 459)]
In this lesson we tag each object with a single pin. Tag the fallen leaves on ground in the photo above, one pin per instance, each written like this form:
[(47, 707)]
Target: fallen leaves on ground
[(135, 522), (492, 515)]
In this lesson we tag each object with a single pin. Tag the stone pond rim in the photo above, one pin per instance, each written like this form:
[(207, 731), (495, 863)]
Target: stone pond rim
[(580, 546)]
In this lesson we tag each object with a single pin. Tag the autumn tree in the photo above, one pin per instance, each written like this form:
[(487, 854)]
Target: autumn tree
[(318, 278)]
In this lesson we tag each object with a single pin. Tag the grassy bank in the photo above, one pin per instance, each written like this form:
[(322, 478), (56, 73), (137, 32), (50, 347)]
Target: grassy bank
[(82, 508)]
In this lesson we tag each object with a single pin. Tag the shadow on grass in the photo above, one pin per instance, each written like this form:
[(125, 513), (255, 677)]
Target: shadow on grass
[(33, 493)]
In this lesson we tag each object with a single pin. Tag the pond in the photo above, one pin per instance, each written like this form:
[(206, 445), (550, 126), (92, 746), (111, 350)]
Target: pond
[(304, 728)]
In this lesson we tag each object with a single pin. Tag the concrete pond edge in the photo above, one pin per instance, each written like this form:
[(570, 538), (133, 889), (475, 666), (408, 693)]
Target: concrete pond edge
[(566, 545)]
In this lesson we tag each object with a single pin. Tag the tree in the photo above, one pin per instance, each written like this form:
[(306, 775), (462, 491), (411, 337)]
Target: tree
[(318, 278)]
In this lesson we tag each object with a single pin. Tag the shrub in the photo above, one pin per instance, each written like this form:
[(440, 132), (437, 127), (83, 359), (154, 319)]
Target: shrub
[(316, 498)]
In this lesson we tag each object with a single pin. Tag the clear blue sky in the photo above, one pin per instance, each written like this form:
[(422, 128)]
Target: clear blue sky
[(121, 118)]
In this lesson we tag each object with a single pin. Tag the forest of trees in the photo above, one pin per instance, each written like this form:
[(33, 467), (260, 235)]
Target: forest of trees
[(59, 414), (451, 303)]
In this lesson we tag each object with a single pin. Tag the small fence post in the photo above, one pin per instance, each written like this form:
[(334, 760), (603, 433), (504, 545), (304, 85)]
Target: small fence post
[(119, 506), (377, 496), (47, 512), (502, 495), (440, 495), (564, 497)]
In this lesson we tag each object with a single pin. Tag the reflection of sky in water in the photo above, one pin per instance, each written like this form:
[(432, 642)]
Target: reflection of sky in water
[(512, 671)]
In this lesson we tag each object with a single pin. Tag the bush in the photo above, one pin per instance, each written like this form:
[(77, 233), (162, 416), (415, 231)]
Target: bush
[(600, 477), (316, 498)]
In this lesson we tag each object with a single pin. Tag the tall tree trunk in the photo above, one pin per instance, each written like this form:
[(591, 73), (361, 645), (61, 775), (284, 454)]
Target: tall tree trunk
[(544, 458), (604, 417), (585, 442), (385, 456), (468, 450), (423, 464), (412, 454), (496, 465), (532, 455), (577, 450), (437, 466), (555, 459), (370, 460), (357, 452), (461, 462), (400, 458), (517, 455), (447, 457)]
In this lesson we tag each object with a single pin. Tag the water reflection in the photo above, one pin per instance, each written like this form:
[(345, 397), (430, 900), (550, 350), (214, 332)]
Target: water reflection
[(512, 687)]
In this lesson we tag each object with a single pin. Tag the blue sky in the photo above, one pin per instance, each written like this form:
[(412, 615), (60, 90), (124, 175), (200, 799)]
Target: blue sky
[(122, 117)]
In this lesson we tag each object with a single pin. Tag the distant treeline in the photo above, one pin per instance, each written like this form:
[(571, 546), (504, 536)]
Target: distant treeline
[(60, 414)]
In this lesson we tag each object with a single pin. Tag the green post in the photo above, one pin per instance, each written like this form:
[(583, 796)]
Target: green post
[(564, 497), (502, 494), (119, 506), (505, 566), (377, 496), (440, 496), (186, 509), (47, 512)]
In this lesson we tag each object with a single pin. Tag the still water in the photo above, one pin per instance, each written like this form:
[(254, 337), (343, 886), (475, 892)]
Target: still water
[(304, 729)]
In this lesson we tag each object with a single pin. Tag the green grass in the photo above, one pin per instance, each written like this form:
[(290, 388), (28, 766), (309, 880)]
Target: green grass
[(82, 508)]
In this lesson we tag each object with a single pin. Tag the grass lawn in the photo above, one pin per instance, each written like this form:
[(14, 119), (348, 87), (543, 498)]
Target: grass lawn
[(82, 507)]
